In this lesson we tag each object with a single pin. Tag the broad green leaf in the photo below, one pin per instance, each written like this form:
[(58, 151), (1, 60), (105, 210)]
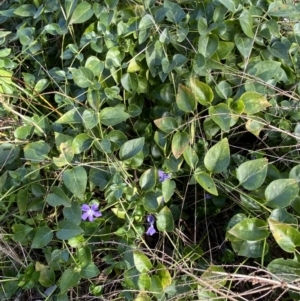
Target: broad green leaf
[(180, 141), (130, 82), (244, 44), (252, 174), (246, 22), (47, 275), (112, 116), (95, 65), (221, 115), (266, 70), (41, 85), (231, 5), (251, 249), (279, 50), (130, 148), (210, 128), (83, 77), (168, 188), (217, 158), (82, 13), (190, 157), (280, 193), (164, 220), (223, 89), (25, 10), (144, 282), (164, 275), (203, 93), (99, 177), (206, 182), (254, 102), (148, 179), (20, 232), (73, 213), (72, 116), (70, 5), (252, 229), (89, 271), (67, 230), (81, 143), (287, 237), (151, 201), (166, 124), (94, 100), (89, 118), (141, 261), (24, 132), (69, 278), (42, 237), (208, 45), (255, 125), (285, 269), (295, 173), (57, 197), (175, 13), (36, 151), (75, 180), (185, 99), (281, 215)]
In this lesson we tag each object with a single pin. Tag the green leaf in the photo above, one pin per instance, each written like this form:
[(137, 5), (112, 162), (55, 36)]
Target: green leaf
[(72, 116), (217, 158), (41, 85), (190, 157), (82, 13), (25, 10), (285, 269), (254, 102), (83, 77), (148, 179), (8, 153), (144, 282), (287, 237), (180, 141), (266, 70), (81, 143), (20, 232), (73, 213), (185, 99), (246, 22), (252, 174), (89, 118), (244, 44), (112, 116), (164, 275), (252, 229), (208, 45), (281, 215), (224, 90), (68, 279), (36, 151), (75, 180), (221, 115), (95, 65), (99, 177), (251, 249), (280, 193), (47, 275), (231, 5), (42, 237), (164, 220), (206, 182), (166, 124), (203, 93), (255, 125), (67, 230), (89, 271), (130, 148), (175, 13), (57, 197), (141, 261), (168, 188), (130, 82)]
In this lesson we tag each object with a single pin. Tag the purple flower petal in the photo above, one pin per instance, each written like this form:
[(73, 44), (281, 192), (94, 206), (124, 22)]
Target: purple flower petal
[(150, 219), (95, 207), (85, 215), (85, 207), (97, 213), (91, 218), (163, 176), (151, 230)]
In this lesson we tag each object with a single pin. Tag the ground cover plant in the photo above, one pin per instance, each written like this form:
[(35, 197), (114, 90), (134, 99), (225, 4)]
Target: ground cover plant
[(149, 150)]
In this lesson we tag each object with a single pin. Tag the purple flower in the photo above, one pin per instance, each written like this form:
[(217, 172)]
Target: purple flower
[(207, 196), (163, 176), (90, 212), (151, 220)]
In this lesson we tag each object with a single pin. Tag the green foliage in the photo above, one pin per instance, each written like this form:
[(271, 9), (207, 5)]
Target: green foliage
[(159, 114)]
